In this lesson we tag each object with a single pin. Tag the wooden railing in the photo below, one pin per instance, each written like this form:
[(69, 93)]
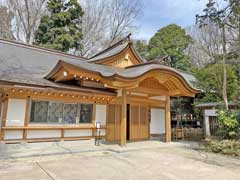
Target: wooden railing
[(62, 129)]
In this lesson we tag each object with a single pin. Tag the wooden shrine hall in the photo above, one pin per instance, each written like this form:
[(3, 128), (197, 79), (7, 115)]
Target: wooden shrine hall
[(48, 95)]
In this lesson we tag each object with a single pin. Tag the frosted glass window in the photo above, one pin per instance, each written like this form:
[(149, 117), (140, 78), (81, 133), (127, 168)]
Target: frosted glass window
[(55, 112), (60, 113), (39, 112), (71, 113), (86, 113)]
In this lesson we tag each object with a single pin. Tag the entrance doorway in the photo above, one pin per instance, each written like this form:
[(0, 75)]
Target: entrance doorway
[(128, 122), (137, 122)]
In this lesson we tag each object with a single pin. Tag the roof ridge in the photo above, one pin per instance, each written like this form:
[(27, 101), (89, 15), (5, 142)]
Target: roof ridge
[(147, 62), (39, 48), (113, 45)]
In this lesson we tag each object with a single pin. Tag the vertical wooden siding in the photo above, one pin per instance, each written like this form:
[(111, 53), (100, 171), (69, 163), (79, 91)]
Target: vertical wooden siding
[(113, 123), (139, 122)]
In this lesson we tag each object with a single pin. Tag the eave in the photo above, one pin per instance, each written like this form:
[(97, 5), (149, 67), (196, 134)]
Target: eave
[(168, 77)]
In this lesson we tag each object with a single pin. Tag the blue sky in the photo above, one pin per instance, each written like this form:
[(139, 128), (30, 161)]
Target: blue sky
[(159, 13)]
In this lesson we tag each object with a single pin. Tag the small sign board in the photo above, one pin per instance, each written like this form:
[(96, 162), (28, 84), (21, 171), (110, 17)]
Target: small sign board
[(98, 125), (97, 137)]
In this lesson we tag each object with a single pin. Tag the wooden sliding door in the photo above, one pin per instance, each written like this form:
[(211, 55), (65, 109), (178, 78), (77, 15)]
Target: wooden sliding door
[(138, 118), (113, 123), (139, 122)]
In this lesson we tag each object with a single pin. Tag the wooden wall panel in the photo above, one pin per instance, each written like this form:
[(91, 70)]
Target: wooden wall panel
[(110, 122), (113, 123), (118, 118), (144, 122), (134, 121), (139, 122)]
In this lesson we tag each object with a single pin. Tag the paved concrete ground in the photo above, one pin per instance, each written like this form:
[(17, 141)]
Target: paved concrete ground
[(81, 160)]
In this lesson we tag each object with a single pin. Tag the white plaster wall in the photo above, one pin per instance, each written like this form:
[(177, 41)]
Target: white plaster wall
[(102, 132), (157, 125), (16, 112), (119, 93), (77, 133), (10, 135), (101, 114), (162, 98), (31, 134)]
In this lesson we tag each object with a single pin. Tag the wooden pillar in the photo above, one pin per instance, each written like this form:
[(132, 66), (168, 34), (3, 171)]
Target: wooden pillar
[(168, 120), (62, 133), (124, 118), (26, 118), (1, 102), (4, 116), (94, 120)]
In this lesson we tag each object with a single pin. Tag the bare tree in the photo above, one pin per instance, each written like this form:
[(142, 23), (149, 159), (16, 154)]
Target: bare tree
[(106, 21), (94, 25), (27, 15), (207, 44), (122, 14), (5, 23)]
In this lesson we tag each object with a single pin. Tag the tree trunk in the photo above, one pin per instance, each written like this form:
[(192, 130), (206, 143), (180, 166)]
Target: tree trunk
[(224, 90), (238, 46)]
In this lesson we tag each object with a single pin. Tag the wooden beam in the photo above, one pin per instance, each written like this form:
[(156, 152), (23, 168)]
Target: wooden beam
[(4, 116), (26, 119), (37, 128), (145, 100), (124, 118), (150, 91), (168, 120)]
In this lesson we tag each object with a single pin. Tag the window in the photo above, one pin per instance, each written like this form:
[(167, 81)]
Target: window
[(39, 111), (71, 113), (86, 113), (55, 112), (60, 113)]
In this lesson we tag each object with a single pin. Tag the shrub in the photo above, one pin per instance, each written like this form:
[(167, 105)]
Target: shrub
[(228, 147), (228, 124)]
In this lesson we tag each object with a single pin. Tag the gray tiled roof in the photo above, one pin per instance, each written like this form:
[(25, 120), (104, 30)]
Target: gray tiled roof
[(29, 65), (114, 49), (110, 52), (214, 104)]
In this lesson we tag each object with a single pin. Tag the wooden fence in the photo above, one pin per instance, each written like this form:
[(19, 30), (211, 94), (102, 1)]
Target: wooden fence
[(187, 133)]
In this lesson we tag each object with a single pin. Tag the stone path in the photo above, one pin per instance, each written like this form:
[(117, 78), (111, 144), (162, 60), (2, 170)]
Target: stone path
[(141, 160)]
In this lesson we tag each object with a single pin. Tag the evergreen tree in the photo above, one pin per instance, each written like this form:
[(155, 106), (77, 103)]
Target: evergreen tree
[(219, 17), (210, 80), (142, 48), (60, 29), (171, 40)]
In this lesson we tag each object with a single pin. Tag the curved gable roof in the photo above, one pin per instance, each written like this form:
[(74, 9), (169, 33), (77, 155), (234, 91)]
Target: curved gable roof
[(116, 49), (132, 74)]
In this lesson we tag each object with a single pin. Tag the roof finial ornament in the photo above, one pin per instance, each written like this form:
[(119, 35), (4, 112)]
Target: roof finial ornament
[(129, 36)]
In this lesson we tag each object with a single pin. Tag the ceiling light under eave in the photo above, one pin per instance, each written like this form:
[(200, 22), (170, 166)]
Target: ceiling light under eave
[(65, 73)]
